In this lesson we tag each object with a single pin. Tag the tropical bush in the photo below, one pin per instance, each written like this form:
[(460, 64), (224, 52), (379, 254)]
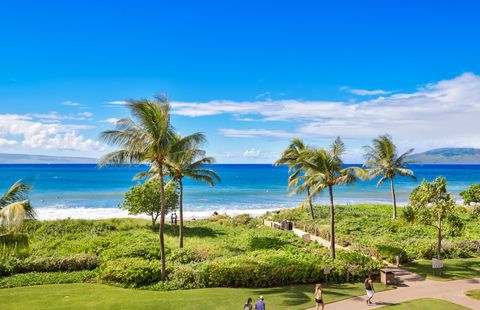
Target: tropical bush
[(131, 271), (471, 195)]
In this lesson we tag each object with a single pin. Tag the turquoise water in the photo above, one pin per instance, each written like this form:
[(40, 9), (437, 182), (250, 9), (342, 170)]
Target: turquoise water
[(243, 187)]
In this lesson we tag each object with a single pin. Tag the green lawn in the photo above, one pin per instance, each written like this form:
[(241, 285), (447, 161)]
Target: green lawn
[(473, 293), (98, 296), (427, 304), (455, 269)]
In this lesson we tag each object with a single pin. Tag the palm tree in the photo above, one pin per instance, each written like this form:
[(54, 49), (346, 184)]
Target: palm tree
[(324, 171), (190, 162), (148, 139), (14, 209), (292, 156), (382, 160)]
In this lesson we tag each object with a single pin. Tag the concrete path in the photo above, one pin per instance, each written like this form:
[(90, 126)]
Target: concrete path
[(412, 286)]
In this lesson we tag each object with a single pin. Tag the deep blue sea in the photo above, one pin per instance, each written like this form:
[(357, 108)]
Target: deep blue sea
[(244, 188)]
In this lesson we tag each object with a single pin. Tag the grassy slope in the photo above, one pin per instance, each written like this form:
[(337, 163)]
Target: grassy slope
[(473, 294), (426, 304), (454, 269), (97, 296), (365, 225)]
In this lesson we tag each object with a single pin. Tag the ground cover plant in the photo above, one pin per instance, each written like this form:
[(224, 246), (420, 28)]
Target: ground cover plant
[(220, 252), (369, 229)]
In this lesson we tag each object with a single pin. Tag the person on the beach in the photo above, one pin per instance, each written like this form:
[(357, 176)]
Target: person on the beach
[(260, 304), (369, 288), (248, 305), (319, 296)]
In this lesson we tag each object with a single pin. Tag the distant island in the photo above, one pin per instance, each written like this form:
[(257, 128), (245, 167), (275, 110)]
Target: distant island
[(44, 159), (448, 156)]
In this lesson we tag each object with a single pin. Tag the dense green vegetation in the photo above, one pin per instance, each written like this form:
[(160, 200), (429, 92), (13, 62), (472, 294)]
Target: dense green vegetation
[(369, 229), (473, 293), (427, 304), (221, 252), (471, 195), (97, 296)]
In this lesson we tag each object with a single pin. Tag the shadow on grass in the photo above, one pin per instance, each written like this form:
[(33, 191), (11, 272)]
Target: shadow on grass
[(293, 296), (189, 231), (454, 269)]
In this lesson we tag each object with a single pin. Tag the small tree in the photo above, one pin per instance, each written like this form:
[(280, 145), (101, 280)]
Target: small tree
[(471, 195), (432, 205), (144, 198)]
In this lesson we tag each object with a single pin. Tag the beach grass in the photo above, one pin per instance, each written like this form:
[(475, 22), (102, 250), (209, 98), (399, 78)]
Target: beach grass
[(98, 296), (455, 269), (426, 304)]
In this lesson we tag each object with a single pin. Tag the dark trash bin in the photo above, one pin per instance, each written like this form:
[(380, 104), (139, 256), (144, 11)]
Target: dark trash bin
[(287, 225)]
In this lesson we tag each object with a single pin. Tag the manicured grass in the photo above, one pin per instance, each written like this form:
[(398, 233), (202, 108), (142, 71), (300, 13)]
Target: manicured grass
[(426, 304), (455, 269), (473, 294), (98, 296)]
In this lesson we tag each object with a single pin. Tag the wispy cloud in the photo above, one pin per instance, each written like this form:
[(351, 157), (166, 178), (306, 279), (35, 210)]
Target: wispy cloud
[(71, 103), (110, 120), (365, 92), (253, 133), (444, 113), (120, 102)]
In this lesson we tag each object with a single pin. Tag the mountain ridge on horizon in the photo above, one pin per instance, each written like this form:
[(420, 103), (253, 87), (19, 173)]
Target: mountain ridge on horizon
[(433, 156)]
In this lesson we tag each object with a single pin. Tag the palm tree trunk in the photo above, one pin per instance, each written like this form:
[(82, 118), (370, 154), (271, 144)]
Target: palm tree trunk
[(332, 223), (163, 274), (310, 204), (394, 199), (439, 240), (180, 209)]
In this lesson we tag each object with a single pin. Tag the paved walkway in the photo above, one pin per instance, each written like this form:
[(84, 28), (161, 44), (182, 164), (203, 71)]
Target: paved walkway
[(409, 286), (412, 286)]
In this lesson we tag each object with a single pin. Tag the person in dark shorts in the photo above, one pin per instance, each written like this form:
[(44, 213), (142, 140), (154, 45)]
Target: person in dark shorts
[(248, 305), (319, 296), (369, 288)]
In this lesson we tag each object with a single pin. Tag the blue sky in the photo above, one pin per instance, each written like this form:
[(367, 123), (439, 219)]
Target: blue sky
[(250, 74)]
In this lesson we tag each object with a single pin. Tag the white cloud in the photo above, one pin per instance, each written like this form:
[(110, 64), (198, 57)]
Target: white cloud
[(252, 133), (36, 134), (117, 102), (85, 114), (71, 103), (365, 92), (251, 153), (5, 142), (111, 120), (445, 113)]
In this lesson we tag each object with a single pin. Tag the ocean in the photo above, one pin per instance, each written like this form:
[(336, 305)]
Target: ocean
[(85, 191)]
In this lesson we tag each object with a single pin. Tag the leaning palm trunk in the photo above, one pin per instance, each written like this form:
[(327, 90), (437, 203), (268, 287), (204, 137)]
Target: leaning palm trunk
[(162, 226), (310, 204), (332, 223), (394, 199), (180, 209)]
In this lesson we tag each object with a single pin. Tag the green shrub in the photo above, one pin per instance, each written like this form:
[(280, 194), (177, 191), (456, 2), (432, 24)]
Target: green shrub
[(131, 271), (471, 195), (40, 278), (62, 263), (389, 253), (143, 250)]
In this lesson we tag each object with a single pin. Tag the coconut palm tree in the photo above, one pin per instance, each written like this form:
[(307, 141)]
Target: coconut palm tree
[(147, 139), (325, 171), (292, 156), (190, 162), (382, 161), (14, 209)]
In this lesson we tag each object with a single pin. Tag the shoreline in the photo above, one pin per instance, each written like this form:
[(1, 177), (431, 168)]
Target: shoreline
[(50, 214)]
